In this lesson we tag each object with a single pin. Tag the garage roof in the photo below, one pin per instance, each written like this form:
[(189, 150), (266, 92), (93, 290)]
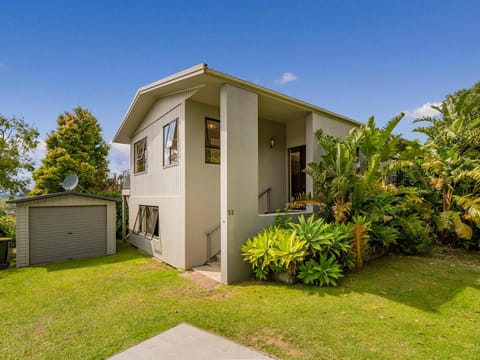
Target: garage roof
[(59, 194)]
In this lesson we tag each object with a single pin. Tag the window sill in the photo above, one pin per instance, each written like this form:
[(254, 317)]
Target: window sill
[(147, 236), (169, 166)]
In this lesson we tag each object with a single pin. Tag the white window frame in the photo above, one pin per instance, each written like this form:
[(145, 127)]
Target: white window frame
[(147, 221), (143, 156), (170, 143)]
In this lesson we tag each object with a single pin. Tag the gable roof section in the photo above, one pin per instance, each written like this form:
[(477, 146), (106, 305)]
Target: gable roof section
[(54, 195), (196, 77)]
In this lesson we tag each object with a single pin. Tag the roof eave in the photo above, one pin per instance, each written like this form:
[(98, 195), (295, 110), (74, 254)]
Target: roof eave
[(123, 137), (277, 95), (59, 194), (120, 136)]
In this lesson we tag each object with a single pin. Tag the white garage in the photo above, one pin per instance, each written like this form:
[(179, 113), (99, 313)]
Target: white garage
[(64, 226)]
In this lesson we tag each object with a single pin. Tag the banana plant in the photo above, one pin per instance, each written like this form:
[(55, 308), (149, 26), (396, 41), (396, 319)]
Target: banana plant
[(352, 170), (452, 166)]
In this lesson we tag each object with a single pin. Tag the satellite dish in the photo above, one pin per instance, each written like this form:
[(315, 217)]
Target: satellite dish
[(70, 182)]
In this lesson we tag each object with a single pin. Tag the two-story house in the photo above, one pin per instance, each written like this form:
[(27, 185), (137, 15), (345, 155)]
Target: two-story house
[(212, 158)]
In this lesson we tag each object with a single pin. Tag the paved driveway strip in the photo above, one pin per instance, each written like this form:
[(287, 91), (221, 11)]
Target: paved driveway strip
[(187, 342)]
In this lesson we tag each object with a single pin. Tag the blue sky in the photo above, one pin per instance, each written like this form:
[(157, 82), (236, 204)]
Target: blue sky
[(357, 58)]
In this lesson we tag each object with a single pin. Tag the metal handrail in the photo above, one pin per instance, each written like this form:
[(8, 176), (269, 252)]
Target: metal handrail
[(209, 233), (266, 191)]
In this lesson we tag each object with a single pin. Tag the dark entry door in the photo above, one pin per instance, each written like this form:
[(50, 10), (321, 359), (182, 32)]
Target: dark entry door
[(296, 165)]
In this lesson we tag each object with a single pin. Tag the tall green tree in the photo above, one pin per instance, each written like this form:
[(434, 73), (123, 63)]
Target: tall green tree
[(451, 164), (471, 101), (17, 140), (76, 146)]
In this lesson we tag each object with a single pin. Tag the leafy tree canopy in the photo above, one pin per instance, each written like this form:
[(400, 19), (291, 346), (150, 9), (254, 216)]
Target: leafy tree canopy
[(472, 100), (17, 139), (451, 164), (77, 146)]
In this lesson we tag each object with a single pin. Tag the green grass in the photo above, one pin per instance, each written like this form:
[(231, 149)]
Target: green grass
[(395, 308)]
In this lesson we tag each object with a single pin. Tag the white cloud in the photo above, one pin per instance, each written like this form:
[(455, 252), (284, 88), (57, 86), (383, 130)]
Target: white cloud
[(119, 158), (39, 152), (422, 111), (286, 78)]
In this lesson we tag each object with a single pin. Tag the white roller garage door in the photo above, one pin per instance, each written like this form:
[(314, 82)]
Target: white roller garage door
[(66, 232)]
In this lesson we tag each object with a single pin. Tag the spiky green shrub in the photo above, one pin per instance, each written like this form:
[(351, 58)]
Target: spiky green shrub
[(288, 250), (312, 245), (315, 232), (274, 250), (325, 272), (259, 253)]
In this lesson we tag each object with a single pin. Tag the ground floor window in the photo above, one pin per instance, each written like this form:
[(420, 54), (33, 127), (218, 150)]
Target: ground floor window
[(146, 221)]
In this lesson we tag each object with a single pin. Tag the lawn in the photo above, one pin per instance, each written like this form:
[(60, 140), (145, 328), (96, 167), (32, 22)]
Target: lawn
[(395, 308)]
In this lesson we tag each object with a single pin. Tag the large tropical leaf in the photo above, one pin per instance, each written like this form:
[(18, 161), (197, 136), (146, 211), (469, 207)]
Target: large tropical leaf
[(451, 220), (471, 205)]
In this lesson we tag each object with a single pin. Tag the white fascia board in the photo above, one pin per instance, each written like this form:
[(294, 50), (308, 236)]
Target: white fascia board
[(193, 71), (144, 90)]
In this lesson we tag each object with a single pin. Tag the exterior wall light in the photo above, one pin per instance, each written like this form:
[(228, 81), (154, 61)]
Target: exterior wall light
[(272, 142)]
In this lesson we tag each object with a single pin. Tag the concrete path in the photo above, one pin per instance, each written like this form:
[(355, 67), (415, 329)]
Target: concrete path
[(201, 280), (211, 270), (187, 342)]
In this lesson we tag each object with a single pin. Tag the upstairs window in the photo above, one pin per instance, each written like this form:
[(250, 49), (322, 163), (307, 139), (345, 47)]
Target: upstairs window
[(140, 151), (170, 145), (212, 141)]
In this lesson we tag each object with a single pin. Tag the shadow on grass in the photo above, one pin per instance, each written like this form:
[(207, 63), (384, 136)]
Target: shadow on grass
[(425, 283), (125, 252)]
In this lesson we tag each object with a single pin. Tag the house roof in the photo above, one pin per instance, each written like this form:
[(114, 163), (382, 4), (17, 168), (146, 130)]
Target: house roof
[(59, 194), (272, 104)]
